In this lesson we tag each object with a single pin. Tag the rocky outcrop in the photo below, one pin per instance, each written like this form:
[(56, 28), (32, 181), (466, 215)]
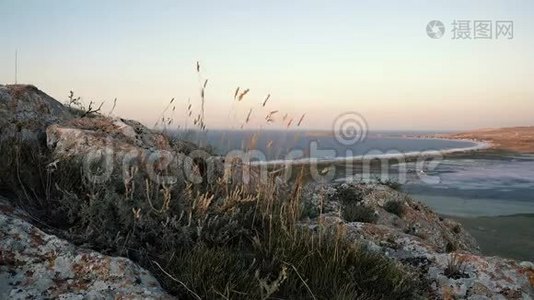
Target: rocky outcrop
[(83, 135), (126, 144), (35, 265), (42, 131), (25, 112), (439, 249)]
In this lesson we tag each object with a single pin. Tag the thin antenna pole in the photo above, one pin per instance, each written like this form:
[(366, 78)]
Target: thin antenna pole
[(16, 64)]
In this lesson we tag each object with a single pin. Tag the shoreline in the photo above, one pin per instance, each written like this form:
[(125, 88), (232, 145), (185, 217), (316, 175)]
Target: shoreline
[(512, 139), (478, 145)]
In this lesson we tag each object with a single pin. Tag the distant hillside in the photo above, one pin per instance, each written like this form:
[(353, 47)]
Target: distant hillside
[(519, 139)]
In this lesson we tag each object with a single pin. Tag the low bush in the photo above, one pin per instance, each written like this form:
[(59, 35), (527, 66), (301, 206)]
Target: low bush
[(354, 212), (289, 264), (309, 210), (457, 228), (394, 207), (456, 267), (347, 194), (451, 246)]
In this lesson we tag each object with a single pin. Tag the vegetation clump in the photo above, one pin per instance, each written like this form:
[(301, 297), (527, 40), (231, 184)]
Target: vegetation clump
[(77, 107), (456, 267), (457, 228), (394, 207), (352, 210), (451, 246), (355, 212), (346, 194)]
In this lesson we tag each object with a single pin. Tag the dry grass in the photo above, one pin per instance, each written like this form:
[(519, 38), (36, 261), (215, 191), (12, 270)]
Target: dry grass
[(77, 106), (456, 267), (278, 258), (231, 241)]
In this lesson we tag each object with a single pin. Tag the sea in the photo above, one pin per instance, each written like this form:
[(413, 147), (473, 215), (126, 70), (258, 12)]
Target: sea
[(279, 145)]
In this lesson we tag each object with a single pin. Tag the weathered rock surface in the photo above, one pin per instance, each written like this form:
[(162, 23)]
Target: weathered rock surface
[(35, 265), (25, 112), (444, 254), (83, 135), (126, 144)]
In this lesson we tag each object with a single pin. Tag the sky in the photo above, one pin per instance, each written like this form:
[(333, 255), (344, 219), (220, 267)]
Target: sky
[(321, 58)]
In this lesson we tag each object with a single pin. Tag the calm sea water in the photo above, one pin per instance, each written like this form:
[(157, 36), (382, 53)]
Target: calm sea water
[(276, 145)]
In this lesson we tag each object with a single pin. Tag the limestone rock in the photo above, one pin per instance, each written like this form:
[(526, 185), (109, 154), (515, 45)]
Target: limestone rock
[(25, 112), (439, 249), (35, 265)]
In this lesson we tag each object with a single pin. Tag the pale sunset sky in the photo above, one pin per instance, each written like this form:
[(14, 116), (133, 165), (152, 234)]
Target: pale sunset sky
[(321, 58)]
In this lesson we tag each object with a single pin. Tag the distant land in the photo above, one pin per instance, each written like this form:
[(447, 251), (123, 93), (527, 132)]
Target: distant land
[(517, 139)]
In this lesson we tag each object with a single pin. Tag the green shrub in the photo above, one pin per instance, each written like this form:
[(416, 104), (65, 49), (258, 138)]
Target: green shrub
[(394, 207), (294, 265), (353, 212), (451, 247), (346, 194), (310, 210)]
